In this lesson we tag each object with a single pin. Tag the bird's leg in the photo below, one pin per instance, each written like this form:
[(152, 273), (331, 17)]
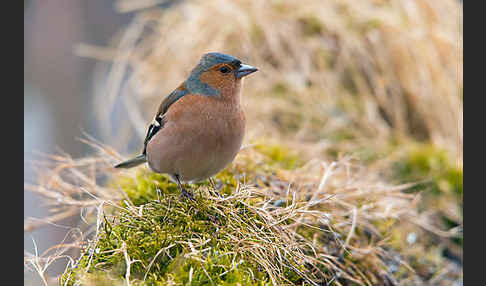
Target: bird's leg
[(211, 182), (213, 186), (185, 193)]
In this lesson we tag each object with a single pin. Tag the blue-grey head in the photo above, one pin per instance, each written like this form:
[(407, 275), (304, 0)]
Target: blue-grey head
[(217, 72)]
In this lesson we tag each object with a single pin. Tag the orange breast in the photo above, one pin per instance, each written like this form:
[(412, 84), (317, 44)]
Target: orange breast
[(202, 135)]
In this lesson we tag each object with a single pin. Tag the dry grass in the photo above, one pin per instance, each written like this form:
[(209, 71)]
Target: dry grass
[(369, 70), (333, 189), (325, 221)]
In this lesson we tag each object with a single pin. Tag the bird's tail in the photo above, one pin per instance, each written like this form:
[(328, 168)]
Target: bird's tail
[(140, 159)]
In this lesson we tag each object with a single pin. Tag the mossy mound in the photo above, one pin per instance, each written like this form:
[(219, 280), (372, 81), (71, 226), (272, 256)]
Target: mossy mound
[(248, 229), (219, 238), (174, 240)]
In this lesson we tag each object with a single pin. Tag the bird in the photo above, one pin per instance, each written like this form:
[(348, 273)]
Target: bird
[(199, 127)]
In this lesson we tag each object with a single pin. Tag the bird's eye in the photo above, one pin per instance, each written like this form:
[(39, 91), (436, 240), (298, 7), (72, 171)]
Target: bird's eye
[(224, 70)]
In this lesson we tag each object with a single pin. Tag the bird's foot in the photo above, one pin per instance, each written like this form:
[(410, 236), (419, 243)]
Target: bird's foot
[(186, 194), (211, 182), (215, 189)]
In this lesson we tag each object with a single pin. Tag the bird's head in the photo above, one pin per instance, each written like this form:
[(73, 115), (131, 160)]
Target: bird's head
[(218, 74)]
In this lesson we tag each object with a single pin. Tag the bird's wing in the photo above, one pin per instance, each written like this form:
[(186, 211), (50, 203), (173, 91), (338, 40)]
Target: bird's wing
[(159, 120)]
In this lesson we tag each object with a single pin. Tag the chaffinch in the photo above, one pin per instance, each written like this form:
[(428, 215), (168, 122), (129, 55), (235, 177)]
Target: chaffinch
[(199, 127)]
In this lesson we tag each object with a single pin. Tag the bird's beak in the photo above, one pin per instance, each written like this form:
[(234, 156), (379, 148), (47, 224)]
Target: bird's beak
[(245, 70)]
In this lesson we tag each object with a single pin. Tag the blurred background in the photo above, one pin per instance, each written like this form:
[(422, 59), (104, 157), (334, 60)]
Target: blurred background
[(58, 92), (378, 80)]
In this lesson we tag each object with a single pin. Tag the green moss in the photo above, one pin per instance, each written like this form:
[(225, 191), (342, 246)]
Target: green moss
[(427, 162), (168, 224), (99, 278), (439, 180), (280, 156), (172, 241), (144, 188), (158, 231)]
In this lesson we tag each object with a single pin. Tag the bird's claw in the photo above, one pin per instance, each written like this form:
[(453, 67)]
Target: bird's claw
[(187, 195)]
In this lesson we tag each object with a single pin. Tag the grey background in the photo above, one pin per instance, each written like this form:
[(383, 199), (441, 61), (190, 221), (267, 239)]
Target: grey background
[(58, 92)]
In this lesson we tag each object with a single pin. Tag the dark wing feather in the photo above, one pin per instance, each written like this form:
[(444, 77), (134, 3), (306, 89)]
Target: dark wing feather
[(169, 100), (159, 118)]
